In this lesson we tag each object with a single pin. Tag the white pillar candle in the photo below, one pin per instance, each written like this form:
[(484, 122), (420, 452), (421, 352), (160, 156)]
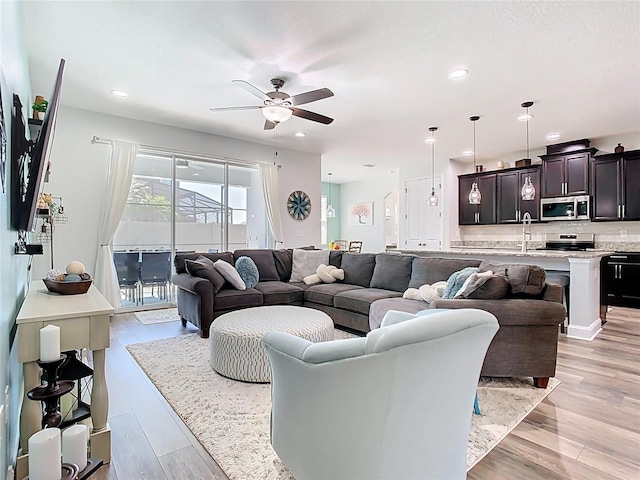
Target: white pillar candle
[(68, 404), (44, 455), (74, 446), (49, 343)]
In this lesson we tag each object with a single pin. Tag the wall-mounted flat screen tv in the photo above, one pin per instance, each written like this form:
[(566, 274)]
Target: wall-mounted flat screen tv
[(30, 159)]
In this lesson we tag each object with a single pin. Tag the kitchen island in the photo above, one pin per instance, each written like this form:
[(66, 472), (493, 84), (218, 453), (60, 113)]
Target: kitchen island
[(583, 268)]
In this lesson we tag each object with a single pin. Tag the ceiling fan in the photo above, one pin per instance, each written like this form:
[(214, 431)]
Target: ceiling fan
[(278, 106)]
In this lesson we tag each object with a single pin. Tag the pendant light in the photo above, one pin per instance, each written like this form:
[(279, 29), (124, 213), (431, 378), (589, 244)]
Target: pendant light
[(475, 196), (433, 198), (528, 191), (331, 212)]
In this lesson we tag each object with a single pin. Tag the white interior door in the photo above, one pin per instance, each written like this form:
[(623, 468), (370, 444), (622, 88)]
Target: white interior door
[(423, 223)]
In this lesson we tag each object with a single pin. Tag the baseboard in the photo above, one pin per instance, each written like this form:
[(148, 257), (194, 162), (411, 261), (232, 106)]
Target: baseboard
[(585, 333)]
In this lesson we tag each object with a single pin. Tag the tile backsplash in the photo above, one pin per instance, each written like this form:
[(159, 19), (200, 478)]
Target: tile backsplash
[(614, 236)]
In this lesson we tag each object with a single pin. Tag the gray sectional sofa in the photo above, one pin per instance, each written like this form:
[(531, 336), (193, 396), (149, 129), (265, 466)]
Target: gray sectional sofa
[(525, 345)]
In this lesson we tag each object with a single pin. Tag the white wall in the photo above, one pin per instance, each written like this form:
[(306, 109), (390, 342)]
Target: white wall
[(374, 190), (79, 171), (14, 78)]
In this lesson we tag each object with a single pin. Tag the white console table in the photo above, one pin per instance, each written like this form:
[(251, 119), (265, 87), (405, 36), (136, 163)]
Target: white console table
[(84, 323)]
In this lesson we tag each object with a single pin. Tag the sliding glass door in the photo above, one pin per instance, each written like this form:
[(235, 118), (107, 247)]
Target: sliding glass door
[(183, 204)]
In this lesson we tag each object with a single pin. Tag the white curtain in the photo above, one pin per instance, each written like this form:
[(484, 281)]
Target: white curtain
[(269, 176), (123, 156)]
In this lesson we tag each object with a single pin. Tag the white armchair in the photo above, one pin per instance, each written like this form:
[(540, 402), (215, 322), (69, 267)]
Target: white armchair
[(394, 405)]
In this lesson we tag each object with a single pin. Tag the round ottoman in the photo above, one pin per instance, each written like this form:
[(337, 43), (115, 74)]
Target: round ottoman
[(235, 338)]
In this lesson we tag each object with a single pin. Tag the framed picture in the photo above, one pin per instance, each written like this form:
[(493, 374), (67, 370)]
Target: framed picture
[(361, 214)]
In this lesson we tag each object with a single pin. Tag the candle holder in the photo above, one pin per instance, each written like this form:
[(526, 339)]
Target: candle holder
[(50, 393)]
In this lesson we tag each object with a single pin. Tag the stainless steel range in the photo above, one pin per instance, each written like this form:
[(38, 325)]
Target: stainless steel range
[(569, 241)]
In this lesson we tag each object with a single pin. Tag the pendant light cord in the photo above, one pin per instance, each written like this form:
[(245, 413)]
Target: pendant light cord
[(474, 146), (528, 133), (275, 145)]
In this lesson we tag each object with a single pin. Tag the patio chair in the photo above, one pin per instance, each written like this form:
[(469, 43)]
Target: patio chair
[(128, 271), (155, 271)]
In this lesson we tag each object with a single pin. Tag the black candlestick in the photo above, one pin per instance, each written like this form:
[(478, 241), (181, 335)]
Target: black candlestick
[(51, 392)]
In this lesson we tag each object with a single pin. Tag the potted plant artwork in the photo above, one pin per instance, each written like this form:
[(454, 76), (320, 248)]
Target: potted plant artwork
[(39, 107)]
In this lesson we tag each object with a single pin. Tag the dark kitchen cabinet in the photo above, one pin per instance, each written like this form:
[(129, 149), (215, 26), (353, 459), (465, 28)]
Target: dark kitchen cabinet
[(566, 173), (483, 214), (615, 185), (510, 205), (620, 277)]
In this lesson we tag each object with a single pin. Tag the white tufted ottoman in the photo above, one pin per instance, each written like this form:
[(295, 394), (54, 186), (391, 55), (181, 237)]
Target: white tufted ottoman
[(235, 338)]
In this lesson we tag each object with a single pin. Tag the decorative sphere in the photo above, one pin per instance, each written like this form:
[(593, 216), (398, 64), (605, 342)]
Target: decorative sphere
[(72, 277), (75, 267), (85, 276), (53, 274), (60, 278)]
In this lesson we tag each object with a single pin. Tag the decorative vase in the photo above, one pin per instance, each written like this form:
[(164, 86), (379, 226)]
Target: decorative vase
[(619, 148)]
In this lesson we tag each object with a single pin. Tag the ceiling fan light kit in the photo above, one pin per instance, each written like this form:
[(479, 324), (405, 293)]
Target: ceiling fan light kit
[(279, 106), (475, 197)]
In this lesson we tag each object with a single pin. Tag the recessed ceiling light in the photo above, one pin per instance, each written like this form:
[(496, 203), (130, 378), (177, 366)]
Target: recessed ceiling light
[(468, 152), (301, 134), (459, 73), (119, 93), (524, 117), (553, 136), (369, 165)]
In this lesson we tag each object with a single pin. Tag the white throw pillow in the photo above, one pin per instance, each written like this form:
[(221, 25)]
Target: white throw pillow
[(428, 293), (305, 263), (230, 274), (412, 294)]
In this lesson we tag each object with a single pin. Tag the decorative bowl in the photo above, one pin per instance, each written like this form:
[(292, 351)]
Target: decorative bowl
[(68, 288)]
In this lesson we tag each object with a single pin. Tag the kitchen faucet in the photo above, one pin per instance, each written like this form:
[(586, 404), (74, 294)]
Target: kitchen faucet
[(526, 231)]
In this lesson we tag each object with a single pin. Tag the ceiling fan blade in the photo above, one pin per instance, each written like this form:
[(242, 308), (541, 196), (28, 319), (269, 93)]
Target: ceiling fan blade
[(316, 117), (311, 96), (252, 90), (269, 125), (227, 109)]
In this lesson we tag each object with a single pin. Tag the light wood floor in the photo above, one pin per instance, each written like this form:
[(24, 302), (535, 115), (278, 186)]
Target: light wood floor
[(587, 428)]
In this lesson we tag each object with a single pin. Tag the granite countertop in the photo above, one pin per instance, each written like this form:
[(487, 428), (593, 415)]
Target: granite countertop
[(505, 252)]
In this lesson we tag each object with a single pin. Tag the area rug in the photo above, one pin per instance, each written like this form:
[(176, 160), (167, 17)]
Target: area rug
[(149, 317), (231, 418)]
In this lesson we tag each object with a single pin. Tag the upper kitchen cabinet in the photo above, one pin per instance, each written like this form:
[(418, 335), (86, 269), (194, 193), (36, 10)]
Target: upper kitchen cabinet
[(565, 169), (485, 213), (510, 205), (615, 185)]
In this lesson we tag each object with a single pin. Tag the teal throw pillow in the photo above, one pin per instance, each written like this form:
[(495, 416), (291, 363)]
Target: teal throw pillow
[(248, 271), (456, 280)]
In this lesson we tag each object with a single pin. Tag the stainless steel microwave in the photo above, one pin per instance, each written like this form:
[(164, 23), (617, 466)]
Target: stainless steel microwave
[(565, 208)]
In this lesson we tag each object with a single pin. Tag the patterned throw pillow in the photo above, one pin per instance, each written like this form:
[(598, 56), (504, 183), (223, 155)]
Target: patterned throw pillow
[(248, 271), (203, 267)]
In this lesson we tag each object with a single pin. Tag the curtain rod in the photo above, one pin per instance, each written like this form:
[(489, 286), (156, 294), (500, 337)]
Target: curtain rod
[(151, 149)]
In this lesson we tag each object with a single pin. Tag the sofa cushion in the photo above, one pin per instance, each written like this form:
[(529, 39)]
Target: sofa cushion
[(431, 270), (360, 300), (230, 298), (263, 258), (230, 274), (324, 293), (495, 287), (523, 279), (392, 272), (473, 282), (280, 293), (179, 259), (358, 268), (248, 271), (305, 263), (203, 267), (335, 258), (283, 259)]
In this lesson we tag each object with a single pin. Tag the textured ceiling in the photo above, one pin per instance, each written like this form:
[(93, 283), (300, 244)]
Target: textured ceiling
[(386, 62)]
